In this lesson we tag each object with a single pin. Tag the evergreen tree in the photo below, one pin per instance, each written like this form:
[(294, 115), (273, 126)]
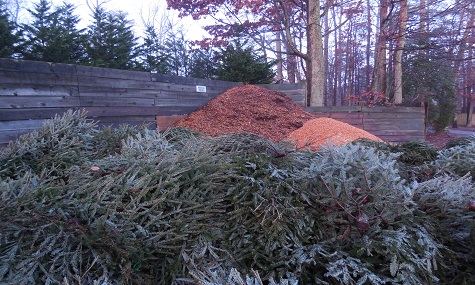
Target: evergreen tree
[(112, 43), (152, 53), (241, 64), (178, 55), (53, 35), (202, 64), (429, 78), (8, 36)]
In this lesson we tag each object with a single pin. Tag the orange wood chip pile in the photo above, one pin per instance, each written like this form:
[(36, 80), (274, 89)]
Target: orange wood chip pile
[(248, 108), (317, 132)]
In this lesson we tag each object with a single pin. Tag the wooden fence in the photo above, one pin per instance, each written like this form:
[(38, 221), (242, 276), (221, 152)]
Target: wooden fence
[(391, 124), (31, 92)]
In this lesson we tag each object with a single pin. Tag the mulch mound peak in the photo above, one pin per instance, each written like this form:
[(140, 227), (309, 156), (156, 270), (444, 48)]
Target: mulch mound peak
[(248, 108)]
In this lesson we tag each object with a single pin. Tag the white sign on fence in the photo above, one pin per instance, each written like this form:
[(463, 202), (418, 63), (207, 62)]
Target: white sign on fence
[(201, 89)]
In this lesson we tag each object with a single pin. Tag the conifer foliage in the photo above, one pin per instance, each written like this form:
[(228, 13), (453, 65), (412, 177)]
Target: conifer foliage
[(53, 35), (83, 205)]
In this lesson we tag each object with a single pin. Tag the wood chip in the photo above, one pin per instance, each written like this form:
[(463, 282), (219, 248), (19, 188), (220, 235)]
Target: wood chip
[(318, 132)]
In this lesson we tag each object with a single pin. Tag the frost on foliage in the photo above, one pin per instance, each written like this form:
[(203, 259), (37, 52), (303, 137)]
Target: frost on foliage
[(183, 208), (358, 187), (58, 144), (351, 270), (458, 160), (445, 200)]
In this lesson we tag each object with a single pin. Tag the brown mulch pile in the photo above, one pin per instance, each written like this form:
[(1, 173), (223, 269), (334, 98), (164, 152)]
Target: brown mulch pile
[(318, 132), (248, 108), (270, 114)]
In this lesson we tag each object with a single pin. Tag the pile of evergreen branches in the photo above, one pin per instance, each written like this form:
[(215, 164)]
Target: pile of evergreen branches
[(78, 207)]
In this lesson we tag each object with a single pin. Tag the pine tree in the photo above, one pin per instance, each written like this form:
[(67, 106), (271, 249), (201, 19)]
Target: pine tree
[(240, 64), (112, 41), (8, 36), (53, 35), (202, 64), (178, 56), (152, 56)]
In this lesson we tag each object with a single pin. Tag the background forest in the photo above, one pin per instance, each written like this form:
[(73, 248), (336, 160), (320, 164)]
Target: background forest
[(399, 52)]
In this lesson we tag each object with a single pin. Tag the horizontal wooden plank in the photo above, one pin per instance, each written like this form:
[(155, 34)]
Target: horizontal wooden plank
[(149, 124), (97, 72), (138, 111), (144, 118), (351, 116), (191, 99), (112, 82), (388, 110), (138, 85), (164, 122), (30, 113), (15, 102), (411, 133), (107, 91), (12, 135), (29, 66), (167, 78), (332, 109), (86, 101), (173, 110), (127, 119), (120, 111), (401, 124), (30, 78), (394, 116), (38, 90), (293, 93), (284, 87), (20, 125), (400, 139)]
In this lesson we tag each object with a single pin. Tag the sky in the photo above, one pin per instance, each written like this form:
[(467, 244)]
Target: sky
[(136, 10)]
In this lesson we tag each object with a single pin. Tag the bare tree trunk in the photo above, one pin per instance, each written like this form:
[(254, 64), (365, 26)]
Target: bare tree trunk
[(336, 63), (470, 90), (325, 56), (379, 72), (399, 50), (347, 67), (466, 70), (290, 63), (368, 43), (278, 49), (315, 68)]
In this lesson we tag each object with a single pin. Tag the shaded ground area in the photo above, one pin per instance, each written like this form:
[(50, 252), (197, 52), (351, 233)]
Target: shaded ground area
[(441, 139)]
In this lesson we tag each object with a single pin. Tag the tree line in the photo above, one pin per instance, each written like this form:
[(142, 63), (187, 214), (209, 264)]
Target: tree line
[(396, 52), (402, 52), (109, 42)]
